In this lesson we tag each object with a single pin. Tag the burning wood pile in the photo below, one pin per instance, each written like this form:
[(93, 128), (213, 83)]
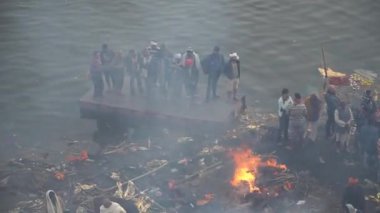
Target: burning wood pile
[(258, 176)]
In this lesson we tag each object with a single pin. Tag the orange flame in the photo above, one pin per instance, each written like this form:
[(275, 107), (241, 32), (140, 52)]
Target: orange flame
[(247, 167), (273, 163)]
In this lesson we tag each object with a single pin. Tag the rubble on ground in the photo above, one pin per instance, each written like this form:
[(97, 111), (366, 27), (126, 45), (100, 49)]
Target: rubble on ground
[(158, 181)]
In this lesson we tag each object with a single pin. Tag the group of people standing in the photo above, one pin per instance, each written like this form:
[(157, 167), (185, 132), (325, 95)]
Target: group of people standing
[(299, 120), (157, 71)]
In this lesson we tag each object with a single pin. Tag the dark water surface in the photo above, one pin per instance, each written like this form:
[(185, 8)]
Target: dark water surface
[(45, 49)]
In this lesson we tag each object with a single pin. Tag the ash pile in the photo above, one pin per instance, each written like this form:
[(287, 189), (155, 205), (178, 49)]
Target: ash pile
[(168, 173)]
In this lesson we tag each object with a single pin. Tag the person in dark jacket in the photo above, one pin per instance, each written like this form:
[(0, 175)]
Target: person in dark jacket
[(106, 56), (368, 144), (313, 106), (332, 103), (368, 137), (97, 75), (353, 194), (133, 63), (213, 66), (368, 105), (232, 71)]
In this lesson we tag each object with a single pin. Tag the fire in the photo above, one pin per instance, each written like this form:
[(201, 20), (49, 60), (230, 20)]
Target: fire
[(247, 167), (273, 163)]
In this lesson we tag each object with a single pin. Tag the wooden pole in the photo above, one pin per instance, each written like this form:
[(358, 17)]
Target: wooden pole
[(324, 67), (136, 178), (126, 182)]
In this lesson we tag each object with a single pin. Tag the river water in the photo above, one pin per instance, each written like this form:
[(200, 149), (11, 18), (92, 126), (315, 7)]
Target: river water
[(45, 49)]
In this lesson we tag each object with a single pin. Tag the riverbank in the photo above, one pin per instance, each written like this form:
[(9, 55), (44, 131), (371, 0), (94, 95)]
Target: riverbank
[(197, 162)]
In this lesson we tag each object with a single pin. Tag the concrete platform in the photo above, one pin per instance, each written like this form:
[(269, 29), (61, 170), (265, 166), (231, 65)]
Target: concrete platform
[(139, 108)]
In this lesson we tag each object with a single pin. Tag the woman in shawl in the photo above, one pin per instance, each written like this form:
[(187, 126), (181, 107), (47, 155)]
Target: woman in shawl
[(343, 119), (297, 121)]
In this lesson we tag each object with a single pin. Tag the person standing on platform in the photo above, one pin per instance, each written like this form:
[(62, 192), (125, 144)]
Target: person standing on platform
[(178, 76), (96, 75), (369, 137), (232, 71), (165, 71), (133, 64), (284, 103), (118, 72), (145, 60), (154, 69), (213, 66), (368, 105), (106, 56), (343, 119), (314, 106), (297, 121), (331, 103), (191, 65)]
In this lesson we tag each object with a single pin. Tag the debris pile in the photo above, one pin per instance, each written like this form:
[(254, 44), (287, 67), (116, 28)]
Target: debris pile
[(171, 174)]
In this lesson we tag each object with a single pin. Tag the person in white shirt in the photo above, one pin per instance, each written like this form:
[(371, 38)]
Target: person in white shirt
[(284, 103), (111, 207)]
